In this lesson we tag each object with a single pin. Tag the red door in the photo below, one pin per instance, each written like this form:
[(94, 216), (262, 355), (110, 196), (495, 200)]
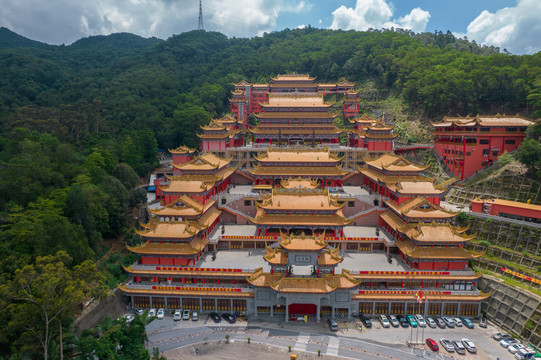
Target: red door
[(302, 309)]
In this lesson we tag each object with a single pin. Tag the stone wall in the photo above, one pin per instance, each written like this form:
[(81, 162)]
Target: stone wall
[(114, 306), (513, 308)]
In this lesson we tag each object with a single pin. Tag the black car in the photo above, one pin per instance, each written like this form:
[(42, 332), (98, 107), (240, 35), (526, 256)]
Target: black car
[(229, 318), (215, 317), (403, 321), (366, 321)]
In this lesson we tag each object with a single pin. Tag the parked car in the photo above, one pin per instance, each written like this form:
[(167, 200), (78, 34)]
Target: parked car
[(515, 348), (450, 323), (469, 345), (403, 321), (460, 349), (447, 345), (393, 320), (432, 344), (457, 321), (177, 315), (384, 321), (500, 336), (333, 325), (483, 322), (467, 323), (366, 321), (508, 342), (431, 323), (420, 320), (151, 312), (129, 318), (161, 313), (411, 320), (229, 318), (440, 323), (215, 317), (139, 311), (195, 316), (525, 354), (186, 315)]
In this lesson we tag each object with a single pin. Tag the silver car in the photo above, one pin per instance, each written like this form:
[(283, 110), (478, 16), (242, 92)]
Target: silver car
[(384, 321), (447, 345), (393, 320), (430, 322), (420, 320)]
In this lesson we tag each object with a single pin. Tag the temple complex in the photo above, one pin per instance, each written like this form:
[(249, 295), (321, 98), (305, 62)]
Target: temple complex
[(470, 144), (297, 225)]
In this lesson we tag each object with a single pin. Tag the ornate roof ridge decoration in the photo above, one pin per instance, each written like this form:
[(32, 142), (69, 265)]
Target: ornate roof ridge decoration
[(293, 75), (183, 248), (380, 124), (417, 202), (454, 230), (154, 224), (182, 150), (276, 256), (477, 120), (318, 240), (184, 199), (309, 284), (445, 184), (333, 254), (242, 83), (286, 183)]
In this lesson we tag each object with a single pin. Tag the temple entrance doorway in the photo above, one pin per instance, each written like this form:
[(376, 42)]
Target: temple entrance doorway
[(299, 310)]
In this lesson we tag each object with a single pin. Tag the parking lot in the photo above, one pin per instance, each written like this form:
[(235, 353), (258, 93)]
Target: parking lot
[(390, 337)]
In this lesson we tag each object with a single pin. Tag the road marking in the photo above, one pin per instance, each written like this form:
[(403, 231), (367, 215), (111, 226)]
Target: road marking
[(333, 345), (302, 341)]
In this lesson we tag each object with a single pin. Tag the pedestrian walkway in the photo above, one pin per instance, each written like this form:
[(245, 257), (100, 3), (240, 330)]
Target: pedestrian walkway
[(302, 341), (333, 345)]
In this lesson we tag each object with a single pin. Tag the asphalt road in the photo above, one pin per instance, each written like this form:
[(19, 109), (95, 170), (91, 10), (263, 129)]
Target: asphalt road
[(375, 343)]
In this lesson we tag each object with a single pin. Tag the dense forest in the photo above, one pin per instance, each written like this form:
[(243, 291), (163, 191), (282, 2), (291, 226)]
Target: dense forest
[(81, 124)]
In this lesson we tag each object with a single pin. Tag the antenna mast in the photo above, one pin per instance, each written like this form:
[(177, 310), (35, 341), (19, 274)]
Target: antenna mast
[(200, 25)]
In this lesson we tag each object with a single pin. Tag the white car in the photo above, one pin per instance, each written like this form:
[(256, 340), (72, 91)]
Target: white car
[(195, 316), (457, 321), (508, 342), (186, 315), (384, 321), (151, 312), (469, 345), (514, 348), (129, 318), (161, 313), (177, 315), (139, 311), (420, 320)]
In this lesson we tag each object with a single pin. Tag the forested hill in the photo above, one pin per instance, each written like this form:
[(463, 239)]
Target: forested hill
[(133, 83)]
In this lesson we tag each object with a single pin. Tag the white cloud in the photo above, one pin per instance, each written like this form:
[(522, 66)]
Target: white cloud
[(377, 14), (516, 29), (64, 21)]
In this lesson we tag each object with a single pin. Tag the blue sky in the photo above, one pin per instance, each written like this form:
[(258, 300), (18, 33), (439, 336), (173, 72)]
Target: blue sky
[(511, 24)]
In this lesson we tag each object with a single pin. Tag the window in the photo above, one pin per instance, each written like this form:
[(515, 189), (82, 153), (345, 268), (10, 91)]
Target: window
[(486, 152), (509, 141), (494, 153), (484, 141), (485, 129), (511, 129), (247, 202), (223, 201), (351, 203), (484, 163), (468, 153)]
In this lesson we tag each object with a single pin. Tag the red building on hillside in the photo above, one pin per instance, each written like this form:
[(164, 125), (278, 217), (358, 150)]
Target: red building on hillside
[(371, 134), (506, 208), (469, 144)]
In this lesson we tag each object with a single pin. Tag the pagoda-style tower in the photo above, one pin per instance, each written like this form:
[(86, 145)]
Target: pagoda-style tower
[(279, 163), (182, 154), (399, 180), (350, 107), (222, 134), (371, 134), (199, 178), (307, 210)]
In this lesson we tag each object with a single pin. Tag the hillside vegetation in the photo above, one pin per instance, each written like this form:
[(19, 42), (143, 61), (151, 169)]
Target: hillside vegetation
[(81, 124)]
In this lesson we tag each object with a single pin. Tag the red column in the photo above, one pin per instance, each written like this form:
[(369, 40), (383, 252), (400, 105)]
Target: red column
[(218, 281), (233, 282)]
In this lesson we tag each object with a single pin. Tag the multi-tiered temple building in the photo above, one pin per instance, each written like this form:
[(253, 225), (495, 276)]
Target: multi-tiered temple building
[(290, 226)]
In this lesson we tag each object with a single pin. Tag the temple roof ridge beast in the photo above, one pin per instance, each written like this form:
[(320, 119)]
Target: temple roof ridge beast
[(299, 182), (303, 242), (181, 150)]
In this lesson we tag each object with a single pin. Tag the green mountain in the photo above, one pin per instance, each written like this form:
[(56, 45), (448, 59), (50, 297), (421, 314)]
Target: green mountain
[(9, 39)]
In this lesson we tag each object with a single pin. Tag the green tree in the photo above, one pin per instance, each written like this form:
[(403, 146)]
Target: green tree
[(41, 295), (125, 174), (529, 153)]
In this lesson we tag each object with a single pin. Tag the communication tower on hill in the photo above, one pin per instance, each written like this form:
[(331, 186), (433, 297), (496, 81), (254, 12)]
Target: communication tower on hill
[(200, 24)]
